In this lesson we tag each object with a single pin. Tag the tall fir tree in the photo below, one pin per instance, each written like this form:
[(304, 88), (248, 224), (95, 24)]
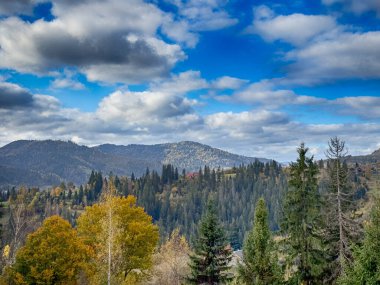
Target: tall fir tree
[(342, 230), (260, 262), (302, 221), (366, 267), (209, 264)]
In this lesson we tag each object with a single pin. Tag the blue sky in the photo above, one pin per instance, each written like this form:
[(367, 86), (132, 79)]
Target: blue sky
[(252, 77)]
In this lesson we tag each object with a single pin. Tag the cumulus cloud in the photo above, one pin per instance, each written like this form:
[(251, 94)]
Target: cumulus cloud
[(266, 93), (242, 125), (357, 7), (179, 31), (346, 56), (146, 109), (180, 83), (14, 96), (163, 107), (323, 50), (17, 6), (296, 29), (204, 15), (114, 41), (366, 107)]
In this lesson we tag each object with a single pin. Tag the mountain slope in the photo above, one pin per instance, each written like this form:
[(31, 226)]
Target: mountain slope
[(370, 158), (43, 163), (184, 155)]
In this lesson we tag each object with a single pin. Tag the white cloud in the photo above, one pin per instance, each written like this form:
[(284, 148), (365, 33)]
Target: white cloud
[(204, 15), (346, 56), (17, 6), (266, 93), (357, 7), (179, 31), (144, 109), (324, 51), (67, 80), (113, 41), (159, 114), (366, 107), (296, 29), (180, 83), (228, 82), (125, 118)]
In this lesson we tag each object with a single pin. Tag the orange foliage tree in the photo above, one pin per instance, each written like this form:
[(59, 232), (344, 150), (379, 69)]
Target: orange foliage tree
[(122, 237), (53, 254)]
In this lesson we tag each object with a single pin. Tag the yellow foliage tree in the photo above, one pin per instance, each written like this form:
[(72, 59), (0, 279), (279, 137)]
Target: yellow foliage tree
[(53, 254), (122, 237), (171, 261)]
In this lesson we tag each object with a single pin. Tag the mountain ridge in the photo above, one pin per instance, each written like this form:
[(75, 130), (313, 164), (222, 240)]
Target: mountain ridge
[(49, 162)]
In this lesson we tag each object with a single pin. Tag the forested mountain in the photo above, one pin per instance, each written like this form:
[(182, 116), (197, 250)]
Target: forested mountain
[(370, 158), (45, 163), (183, 155)]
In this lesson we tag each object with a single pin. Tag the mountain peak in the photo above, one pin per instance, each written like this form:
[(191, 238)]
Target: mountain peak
[(54, 161)]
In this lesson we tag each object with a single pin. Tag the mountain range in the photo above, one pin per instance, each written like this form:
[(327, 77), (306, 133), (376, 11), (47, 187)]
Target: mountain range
[(49, 162)]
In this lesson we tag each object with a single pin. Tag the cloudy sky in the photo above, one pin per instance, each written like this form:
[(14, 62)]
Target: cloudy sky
[(251, 77)]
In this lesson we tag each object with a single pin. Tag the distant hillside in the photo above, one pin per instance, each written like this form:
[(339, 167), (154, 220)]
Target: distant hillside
[(184, 155), (362, 159), (44, 163)]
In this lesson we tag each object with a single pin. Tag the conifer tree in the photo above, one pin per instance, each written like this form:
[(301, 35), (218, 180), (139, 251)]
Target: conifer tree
[(302, 221), (366, 267), (341, 228), (212, 254), (260, 262)]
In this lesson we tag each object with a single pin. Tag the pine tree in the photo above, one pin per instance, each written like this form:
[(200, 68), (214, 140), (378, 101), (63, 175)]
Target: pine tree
[(302, 220), (366, 267), (212, 254), (339, 201), (259, 260)]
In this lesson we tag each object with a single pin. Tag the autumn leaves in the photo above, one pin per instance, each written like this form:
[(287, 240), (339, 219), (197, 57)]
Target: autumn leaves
[(114, 242)]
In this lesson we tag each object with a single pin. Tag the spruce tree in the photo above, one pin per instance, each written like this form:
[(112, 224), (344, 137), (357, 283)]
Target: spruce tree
[(259, 260), (366, 267), (302, 221), (209, 263)]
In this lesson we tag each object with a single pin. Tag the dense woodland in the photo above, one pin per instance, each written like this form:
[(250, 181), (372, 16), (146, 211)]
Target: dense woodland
[(298, 224)]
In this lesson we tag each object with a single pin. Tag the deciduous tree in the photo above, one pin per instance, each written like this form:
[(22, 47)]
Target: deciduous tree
[(123, 237), (54, 254), (171, 261)]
